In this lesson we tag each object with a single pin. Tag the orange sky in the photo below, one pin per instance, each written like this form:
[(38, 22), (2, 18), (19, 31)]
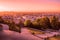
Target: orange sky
[(30, 5)]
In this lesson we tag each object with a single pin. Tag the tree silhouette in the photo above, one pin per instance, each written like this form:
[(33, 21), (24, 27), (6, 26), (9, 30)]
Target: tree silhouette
[(54, 22), (45, 22), (11, 24), (28, 23)]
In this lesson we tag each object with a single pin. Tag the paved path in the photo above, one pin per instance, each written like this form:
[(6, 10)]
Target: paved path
[(24, 35), (11, 35)]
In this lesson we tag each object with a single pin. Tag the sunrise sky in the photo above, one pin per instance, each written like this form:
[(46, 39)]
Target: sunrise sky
[(30, 5)]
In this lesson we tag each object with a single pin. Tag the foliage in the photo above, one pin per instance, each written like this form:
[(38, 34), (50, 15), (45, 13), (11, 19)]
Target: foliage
[(45, 22), (1, 27), (54, 38), (35, 24), (54, 22), (11, 24), (28, 23), (1, 20), (14, 27)]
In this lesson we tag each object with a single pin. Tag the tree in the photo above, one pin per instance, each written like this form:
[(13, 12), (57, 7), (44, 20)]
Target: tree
[(45, 22), (12, 25), (1, 27), (54, 22), (1, 19), (28, 23), (58, 25), (35, 24), (37, 20)]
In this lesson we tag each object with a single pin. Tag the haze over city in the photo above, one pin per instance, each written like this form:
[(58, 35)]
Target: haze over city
[(29, 19), (30, 5)]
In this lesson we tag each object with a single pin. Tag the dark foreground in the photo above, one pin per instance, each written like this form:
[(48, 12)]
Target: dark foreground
[(24, 35), (6, 34)]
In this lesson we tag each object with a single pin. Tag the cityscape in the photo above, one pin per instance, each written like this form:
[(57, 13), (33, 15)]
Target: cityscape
[(29, 19)]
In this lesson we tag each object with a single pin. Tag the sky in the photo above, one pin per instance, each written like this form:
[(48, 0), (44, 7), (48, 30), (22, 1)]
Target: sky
[(30, 5)]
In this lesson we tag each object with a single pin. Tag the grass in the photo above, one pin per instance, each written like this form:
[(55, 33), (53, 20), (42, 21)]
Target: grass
[(41, 32), (54, 38), (35, 31)]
